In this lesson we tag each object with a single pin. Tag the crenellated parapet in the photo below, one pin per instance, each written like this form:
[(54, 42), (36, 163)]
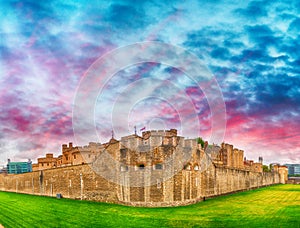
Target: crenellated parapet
[(232, 157), (152, 147)]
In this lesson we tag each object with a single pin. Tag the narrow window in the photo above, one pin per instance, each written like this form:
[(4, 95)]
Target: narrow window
[(123, 152), (158, 166), (141, 166), (187, 167)]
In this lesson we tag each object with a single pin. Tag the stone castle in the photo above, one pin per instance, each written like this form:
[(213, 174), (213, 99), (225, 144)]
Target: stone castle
[(156, 169)]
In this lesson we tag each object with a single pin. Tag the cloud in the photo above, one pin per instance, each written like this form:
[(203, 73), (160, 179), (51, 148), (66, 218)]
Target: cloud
[(255, 10), (220, 53), (262, 35), (294, 26), (126, 17)]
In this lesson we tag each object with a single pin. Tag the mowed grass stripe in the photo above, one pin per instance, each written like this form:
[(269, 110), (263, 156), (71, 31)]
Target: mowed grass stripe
[(274, 206), (12, 206)]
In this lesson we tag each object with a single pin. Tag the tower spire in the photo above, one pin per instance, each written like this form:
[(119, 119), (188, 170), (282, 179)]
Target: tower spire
[(135, 130)]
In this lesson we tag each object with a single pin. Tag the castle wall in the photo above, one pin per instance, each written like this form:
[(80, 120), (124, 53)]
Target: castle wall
[(186, 187), (75, 182)]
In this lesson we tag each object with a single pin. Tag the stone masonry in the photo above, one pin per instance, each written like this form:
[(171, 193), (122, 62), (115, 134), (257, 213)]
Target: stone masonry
[(156, 169)]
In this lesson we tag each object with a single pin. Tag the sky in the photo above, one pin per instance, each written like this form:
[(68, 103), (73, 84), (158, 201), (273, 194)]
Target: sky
[(250, 49)]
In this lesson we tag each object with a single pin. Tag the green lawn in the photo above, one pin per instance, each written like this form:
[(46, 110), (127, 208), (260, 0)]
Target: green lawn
[(275, 206)]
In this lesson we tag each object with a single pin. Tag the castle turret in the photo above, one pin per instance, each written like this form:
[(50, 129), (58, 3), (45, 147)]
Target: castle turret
[(283, 174)]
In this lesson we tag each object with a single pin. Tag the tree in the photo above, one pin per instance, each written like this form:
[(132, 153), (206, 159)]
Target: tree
[(201, 141), (270, 167), (266, 168)]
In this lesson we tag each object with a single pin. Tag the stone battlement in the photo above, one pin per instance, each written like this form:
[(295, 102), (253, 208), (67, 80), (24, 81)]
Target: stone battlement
[(171, 132), (159, 144)]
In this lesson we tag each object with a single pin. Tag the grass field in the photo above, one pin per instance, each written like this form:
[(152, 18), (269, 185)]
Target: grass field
[(275, 206)]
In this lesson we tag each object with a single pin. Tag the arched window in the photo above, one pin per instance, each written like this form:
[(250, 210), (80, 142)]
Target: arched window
[(196, 167), (187, 167), (158, 166), (141, 166)]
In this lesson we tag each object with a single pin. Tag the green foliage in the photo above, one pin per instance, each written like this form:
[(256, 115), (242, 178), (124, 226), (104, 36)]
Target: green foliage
[(266, 168), (294, 175), (201, 141), (274, 206)]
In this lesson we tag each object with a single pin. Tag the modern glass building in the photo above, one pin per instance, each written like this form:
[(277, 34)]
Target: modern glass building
[(294, 169), (19, 167)]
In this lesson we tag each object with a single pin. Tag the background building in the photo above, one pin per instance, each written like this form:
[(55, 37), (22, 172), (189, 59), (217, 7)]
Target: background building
[(3, 169), (19, 167), (294, 169)]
